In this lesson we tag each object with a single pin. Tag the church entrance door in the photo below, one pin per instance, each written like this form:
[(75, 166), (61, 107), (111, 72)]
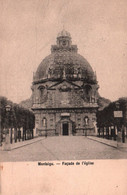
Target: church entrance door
[(65, 128)]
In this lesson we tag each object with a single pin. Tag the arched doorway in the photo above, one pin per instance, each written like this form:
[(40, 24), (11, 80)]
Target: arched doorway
[(65, 126)]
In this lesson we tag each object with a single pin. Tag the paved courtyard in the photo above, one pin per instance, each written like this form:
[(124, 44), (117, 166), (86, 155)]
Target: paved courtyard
[(63, 148)]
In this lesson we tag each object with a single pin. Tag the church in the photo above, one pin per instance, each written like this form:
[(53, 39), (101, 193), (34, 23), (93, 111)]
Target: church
[(65, 92)]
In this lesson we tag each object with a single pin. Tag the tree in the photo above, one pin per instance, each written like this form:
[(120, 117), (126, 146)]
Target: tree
[(17, 117)]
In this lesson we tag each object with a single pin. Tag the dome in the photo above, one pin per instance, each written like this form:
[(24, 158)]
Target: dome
[(64, 62), (64, 33), (70, 62)]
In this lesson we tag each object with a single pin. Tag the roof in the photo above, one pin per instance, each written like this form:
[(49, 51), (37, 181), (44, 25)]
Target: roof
[(64, 61), (64, 33)]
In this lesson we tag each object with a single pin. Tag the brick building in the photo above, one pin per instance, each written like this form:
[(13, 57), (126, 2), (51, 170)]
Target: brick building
[(65, 92)]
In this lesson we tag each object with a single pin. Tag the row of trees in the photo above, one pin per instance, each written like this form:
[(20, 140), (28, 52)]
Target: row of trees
[(105, 117), (18, 117)]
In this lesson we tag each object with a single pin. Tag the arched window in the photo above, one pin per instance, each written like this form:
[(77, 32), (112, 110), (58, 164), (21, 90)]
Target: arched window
[(87, 92), (88, 89), (42, 93)]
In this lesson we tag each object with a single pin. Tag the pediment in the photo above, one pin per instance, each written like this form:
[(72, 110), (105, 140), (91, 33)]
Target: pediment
[(64, 86)]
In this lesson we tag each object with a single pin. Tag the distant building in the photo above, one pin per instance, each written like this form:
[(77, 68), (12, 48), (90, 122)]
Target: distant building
[(65, 92)]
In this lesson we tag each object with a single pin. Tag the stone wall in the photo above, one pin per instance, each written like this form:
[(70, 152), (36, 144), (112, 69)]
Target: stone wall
[(55, 118)]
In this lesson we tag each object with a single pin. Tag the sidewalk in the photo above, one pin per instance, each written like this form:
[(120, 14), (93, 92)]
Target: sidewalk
[(112, 143), (22, 143)]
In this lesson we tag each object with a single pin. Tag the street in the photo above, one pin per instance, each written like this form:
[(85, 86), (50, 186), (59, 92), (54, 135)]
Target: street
[(63, 148)]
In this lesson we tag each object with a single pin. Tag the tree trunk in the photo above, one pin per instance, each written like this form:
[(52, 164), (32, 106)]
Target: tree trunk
[(25, 134), (15, 134), (11, 136)]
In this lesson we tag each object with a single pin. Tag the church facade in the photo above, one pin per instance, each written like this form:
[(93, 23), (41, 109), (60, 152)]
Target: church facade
[(65, 92)]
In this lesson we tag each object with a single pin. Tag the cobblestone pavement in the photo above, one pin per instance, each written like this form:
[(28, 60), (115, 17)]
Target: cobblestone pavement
[(63, 148)]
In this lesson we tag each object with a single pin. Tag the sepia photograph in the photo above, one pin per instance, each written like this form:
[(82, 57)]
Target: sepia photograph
[(63, 86)]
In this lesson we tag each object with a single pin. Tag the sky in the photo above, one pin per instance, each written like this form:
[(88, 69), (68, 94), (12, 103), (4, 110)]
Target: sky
[(29, 28)]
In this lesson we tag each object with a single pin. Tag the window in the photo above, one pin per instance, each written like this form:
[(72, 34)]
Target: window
[(64, 43), (88, 89)]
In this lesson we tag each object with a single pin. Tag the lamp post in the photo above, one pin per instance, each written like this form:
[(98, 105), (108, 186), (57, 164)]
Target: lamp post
[(118, 115), (7, 137), (8, 110)]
